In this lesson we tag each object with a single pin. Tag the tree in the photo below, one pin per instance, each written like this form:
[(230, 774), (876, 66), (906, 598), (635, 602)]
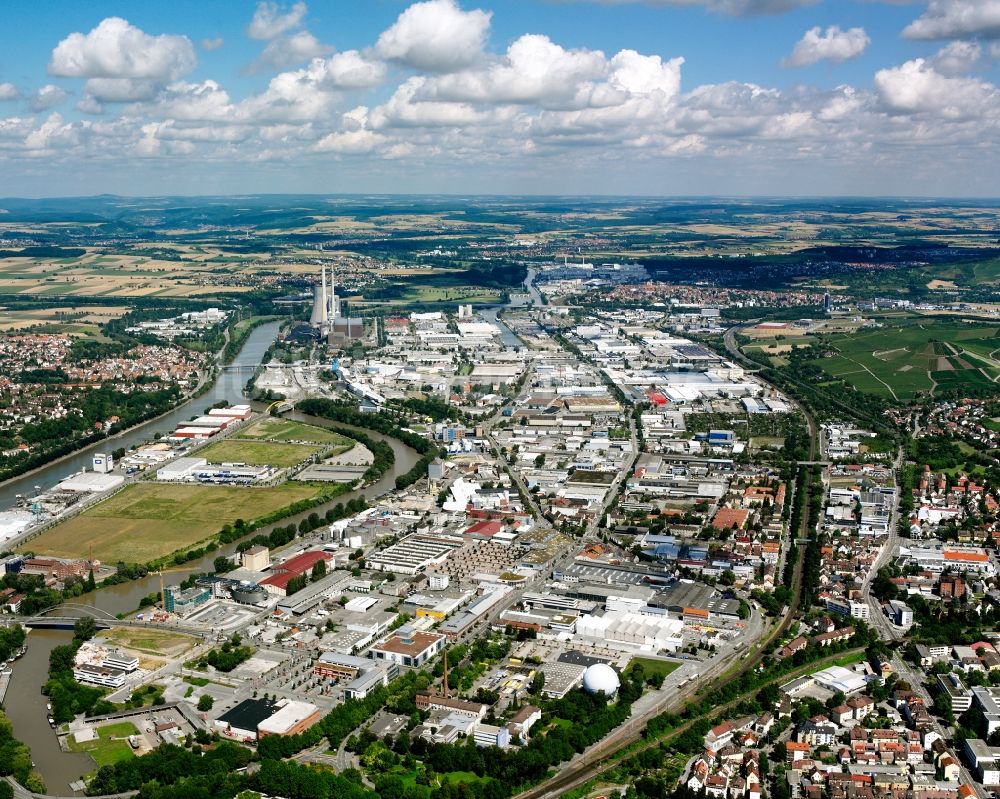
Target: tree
[(205, 703), (84, 628), (538, 682), (319, 570)]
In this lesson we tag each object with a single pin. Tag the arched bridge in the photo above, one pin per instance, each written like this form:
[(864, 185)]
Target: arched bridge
[(66, 615)]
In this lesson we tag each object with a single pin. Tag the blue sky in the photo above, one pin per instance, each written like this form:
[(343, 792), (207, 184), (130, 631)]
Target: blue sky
[(666, 97)]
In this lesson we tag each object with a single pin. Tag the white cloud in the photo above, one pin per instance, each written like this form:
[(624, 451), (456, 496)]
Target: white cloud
[(535, 70), (271, 20), (120, 90), (212, 44), (833, 44), (287, 51), (645, 74), (47, 97), (957, 19), (348, 70), (916, 87), (436, 36), (350, 142), (8, 92), (957, 58), (53, 134), (290, 96), (731, 7), (116, 49)]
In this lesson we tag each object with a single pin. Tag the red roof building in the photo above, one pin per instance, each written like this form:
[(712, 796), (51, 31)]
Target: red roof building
[(283, 573)]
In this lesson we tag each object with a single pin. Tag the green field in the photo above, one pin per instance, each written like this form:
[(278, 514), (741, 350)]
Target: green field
[(285, 430), (146, 521), (258, 453), (927, 356), (652, 666), (111, 745)]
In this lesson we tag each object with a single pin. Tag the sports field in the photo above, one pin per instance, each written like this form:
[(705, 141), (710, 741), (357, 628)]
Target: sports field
[(258, 453), (147, 521), (901, 361), (275, 429)]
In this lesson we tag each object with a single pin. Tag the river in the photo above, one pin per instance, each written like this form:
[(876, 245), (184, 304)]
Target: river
[(492, 312), (228, 386), (24, 703)]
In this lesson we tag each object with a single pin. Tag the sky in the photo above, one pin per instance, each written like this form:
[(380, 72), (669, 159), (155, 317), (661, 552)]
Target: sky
[(584, 97)]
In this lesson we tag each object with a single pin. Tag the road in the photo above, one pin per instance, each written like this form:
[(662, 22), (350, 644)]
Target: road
[(915, 679), (588, 766), (890, 547), (590, 763)]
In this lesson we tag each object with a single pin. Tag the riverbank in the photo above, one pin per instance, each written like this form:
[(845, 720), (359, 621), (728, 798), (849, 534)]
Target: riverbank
[(224, 386)]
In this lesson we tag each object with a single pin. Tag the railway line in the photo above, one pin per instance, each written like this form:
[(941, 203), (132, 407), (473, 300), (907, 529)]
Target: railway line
[(602, 755)]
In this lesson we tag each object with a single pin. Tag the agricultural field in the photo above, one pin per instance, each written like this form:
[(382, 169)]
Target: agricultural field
[(95, 274), (110, 746), (78, 321), (275, 429), (258, 453), (904, 359), (146, 521)]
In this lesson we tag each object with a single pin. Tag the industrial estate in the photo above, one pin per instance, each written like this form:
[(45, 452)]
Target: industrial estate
[(603, 529), (453, 400)]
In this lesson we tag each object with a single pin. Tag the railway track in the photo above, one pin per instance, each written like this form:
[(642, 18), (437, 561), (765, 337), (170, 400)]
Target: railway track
[(601, 756)]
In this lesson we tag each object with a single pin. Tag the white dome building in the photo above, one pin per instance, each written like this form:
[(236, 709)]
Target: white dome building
[(601, 677)]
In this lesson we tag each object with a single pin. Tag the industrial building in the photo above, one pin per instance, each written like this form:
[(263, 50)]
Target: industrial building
[(408, 647)]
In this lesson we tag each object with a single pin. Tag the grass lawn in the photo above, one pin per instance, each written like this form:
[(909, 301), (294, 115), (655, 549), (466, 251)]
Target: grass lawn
[(274, 429), (653, 666), (258, 453), (146, 521), (111, 745), (454, 777)]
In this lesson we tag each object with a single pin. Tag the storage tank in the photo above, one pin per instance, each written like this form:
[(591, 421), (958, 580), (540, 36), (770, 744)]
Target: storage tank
[(600, 677), (247, 593)]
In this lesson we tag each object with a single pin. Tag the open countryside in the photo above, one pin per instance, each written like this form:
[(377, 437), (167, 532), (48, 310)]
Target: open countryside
[(902, 360)]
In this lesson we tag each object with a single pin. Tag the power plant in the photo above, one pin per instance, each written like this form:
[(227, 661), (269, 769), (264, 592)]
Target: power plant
[(326, 307), (327, 320)]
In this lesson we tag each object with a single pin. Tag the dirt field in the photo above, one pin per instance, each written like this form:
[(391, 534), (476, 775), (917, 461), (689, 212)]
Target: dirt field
[(159, 643)]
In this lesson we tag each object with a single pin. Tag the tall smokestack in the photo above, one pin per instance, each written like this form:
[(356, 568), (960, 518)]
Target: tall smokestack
[(326, 306), (334, 302)]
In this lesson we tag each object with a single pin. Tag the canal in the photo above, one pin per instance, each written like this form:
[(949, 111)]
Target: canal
[(228, 386), (24, 703)]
